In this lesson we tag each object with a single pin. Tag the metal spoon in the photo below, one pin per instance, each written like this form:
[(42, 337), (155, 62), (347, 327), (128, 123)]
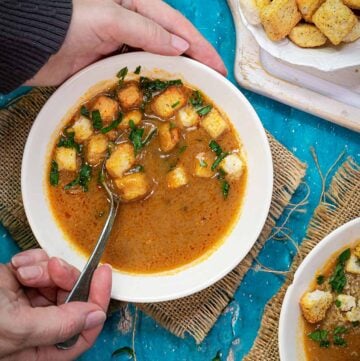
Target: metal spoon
[(80, 291)]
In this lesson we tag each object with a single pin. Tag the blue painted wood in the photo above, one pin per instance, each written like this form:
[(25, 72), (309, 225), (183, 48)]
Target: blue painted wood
[(237, 327)]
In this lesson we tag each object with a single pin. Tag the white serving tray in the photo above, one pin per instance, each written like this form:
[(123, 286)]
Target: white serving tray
[(334, 96)]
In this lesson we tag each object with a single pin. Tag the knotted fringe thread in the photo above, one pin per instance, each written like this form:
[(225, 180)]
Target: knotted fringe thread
[(341, 205), (195, 315)]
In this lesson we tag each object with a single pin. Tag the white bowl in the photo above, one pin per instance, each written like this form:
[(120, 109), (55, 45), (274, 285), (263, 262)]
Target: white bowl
[(290, 333), (151, 288)]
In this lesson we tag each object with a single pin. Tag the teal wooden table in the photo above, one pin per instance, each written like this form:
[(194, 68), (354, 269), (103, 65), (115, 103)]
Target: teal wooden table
[(236, 329)]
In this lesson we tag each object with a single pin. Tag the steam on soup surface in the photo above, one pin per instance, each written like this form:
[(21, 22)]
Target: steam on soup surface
[(172, 157), (331, 310)]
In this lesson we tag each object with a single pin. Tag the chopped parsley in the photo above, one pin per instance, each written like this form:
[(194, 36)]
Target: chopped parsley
[(340, 330), (155, 85), (204, 110), (321, 337), (225, 188), (96, 119), (84, 111), (182, 149), (68, 141), (54, 173), (175, 104), (215, 147), (218, 160), (113, 125), (338, 303), (338, 338), (82, 179), (122, 74), (338, 277), (356, 323), (196, 99), (126, 351), (135, 136), (138, 69), (320, 279)]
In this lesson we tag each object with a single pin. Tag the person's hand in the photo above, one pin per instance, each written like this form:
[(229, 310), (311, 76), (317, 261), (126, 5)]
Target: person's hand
[(99, 28), (32, 316)]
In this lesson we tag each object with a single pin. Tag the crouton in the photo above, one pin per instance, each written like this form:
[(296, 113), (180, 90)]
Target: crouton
[(353, 265), (177, 177), (279, 17), (353, 315), (357, 251), (108, 108), (214, 123), (203, 162), (233, 166), (168, 102), (112, 135), (308, 8), (353, 35), (262, 3), (82, 128), (132, 186), (130, 96), (66, 159), (187, 116), (96, 149), (120, 160), (134, 115), (346, 302), (307, 36), (168, 137), (353, 4), (335, 20), (315, 304)]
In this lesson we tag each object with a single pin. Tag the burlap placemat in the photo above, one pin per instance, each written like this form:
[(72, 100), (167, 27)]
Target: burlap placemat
[(341, 204), (194, 315)]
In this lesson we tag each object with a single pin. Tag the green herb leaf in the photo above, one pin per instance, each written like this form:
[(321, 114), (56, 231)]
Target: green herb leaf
[(196, 99), (203, 164), (122, 73), (182, 149), (73, 183), (138, 69), (338, 277), (339, 341), (113, 125), (175, 104), (320, 279), (221, 174), (82, 179), (337, 303), (68, 141), (218, 160), (155, 85), (96, 119), (356, 323), (54, 173), (340, 330), (204, 110), (215, 147), (84, 111), (123, 351), (320, 336), (225, 188), (135, 136), (217, 357), (344, 256)]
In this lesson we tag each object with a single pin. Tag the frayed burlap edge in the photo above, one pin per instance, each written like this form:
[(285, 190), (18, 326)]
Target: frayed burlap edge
[(341, 205)]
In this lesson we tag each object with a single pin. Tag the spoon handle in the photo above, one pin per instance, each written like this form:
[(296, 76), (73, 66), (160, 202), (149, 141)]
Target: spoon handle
[(81, 289)]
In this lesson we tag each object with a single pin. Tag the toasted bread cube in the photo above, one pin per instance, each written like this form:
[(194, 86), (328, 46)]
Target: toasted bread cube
[(315, 304), (203, 163), (357, 251), (168, 137), (335, 20), (132, 186), (279, 18), (262, 3), (83, 129), (120, 160), (354, 34), (353, 265), (177, 177), (353, 315), (134, 115), (353, 4), (187, 116), (233, 166), (66, 159), (307, 36), (168, 102), (308, 8), (130, 96), (96, 149), (346, 302), (214, 123), (108, 108)]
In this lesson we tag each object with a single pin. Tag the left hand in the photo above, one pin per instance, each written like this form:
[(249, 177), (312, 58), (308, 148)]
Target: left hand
[(33, 317)]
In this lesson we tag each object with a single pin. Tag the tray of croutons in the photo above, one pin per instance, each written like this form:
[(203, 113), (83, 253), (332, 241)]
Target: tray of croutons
[(323, 34)]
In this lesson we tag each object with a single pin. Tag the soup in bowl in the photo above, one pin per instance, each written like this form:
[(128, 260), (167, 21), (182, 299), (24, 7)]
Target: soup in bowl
[(167, 146)]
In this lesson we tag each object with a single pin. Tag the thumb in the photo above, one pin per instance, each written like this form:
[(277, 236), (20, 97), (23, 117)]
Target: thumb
[(53, 324), (140, 32)]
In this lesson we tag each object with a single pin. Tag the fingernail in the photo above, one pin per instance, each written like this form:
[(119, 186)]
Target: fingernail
[(62, 263), (31, 272), (94, 319), (179, 43), (21, 260)]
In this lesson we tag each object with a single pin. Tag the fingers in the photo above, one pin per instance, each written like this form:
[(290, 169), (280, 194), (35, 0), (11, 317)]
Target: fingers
[(174, 22), (29, 257), (141, 32)]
